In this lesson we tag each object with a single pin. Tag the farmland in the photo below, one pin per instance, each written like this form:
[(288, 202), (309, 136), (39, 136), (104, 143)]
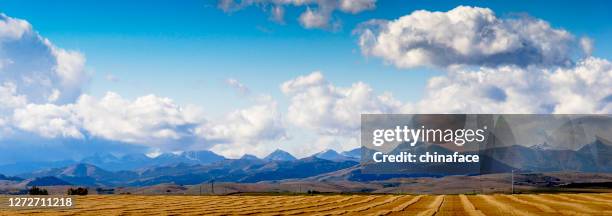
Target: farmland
[(496, 204)]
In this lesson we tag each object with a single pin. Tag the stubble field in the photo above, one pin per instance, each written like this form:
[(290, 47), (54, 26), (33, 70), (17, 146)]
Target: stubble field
[(498, 204)]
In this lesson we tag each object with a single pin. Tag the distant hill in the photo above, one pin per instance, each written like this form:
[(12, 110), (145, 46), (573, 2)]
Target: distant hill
[(45, 181), (592, 157), (600, 151), (281, 170), (202, 157), (113, 163), (249, 157), (332, 155), (110, 162), (31, 166), (356, 174), (10, 178), (85, 174), (280, 155), (542, 146), (355, 153), (139, 161)]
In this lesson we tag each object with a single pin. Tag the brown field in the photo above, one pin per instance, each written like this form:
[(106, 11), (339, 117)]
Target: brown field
[(497, 204)]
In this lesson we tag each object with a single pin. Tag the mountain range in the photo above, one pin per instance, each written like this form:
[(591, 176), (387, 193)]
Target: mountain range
[(244, 170), (141, 161), (205, 166)]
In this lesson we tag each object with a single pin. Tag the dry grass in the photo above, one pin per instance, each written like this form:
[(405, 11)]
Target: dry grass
[(468, 207), (474, 205)]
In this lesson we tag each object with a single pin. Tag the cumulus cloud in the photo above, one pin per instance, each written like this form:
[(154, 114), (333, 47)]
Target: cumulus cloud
[(333, 112), (13, 29), (318, 13), (245, 130), (578, 89), (151, 121), (40, 84), (39, 71), (318, 105), (49, 120), (466, 36), (147, 119), (9, 98), (522, 65), (584, 88), (34, 71)]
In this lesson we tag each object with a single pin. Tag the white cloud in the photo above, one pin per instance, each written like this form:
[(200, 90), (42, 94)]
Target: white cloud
[(333, 112), (148, 119), (254, 123), (318, 105), (70, 67), (587, 45), (154, 153), (55, 94), (152, 121), (9, 98), (356, 6), (523, 65), (48, 120), (5, 128), (510, 89), (318, 13), (240, 87), (584, 88), (325, 142), (40, 71), (466, 36), (314, 19), (13, 29), (245, 130)]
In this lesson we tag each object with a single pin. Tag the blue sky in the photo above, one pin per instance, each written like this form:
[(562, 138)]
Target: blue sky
[(186, 50)]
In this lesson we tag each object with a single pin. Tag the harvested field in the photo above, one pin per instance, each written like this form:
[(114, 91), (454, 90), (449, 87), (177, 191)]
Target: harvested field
[(474, 205)]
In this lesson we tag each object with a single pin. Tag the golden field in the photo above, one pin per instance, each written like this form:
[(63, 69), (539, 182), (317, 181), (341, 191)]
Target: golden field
[(498, 204)]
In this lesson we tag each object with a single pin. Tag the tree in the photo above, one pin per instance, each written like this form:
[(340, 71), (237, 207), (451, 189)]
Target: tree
[(79, 191), (37, 191)]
